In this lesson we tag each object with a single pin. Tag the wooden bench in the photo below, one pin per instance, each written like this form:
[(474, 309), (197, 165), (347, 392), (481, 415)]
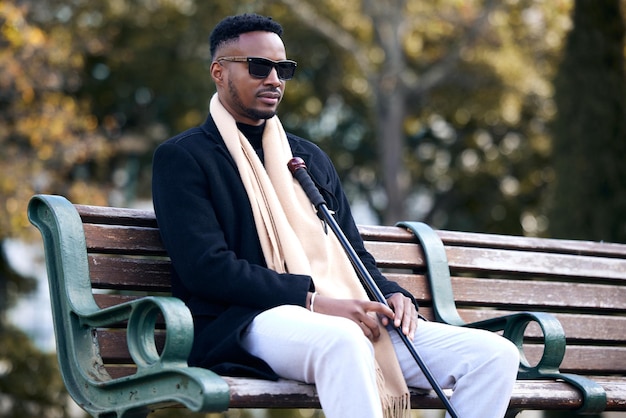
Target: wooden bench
[(122, 340)]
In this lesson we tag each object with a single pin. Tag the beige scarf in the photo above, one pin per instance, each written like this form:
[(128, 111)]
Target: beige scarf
[(293, 240)]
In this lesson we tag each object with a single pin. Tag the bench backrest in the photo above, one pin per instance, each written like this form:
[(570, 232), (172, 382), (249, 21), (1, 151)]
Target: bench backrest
[(582, 283)]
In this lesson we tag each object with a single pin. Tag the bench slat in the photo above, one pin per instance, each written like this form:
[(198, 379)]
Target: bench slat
[(130, 273), (116, 216), (578, 359), (114, 239), (397, 255), (549, 245), (529, 394), (386, 234), (538, 295), (154, 274), (579, 329), (524, 295), (498, 241), (479, 260), (254, 393)]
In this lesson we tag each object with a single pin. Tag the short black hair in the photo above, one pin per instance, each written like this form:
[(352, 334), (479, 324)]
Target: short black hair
[(231, 27)]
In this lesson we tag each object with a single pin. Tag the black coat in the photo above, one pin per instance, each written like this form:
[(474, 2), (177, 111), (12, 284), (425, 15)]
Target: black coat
[(207, 226)]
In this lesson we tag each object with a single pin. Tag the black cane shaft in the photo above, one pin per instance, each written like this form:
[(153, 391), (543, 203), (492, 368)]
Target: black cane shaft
[(364, 275), (373, 289), (298, 169)]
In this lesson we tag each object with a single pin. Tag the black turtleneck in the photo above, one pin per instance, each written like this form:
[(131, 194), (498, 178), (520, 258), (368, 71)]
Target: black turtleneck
[(254, 133)]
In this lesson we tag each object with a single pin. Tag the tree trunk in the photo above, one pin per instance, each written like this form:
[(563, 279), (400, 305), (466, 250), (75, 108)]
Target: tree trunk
[(390, 139), (389, 91), (589, 197)]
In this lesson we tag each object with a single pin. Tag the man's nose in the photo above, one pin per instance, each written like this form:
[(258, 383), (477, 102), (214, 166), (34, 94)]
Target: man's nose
[(272, 77)]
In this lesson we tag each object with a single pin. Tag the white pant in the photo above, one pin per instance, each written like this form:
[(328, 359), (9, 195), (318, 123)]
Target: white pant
[(333, 353)]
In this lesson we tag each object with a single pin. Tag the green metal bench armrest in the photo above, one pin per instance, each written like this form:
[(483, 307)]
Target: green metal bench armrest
[(160, 379), (142, 315), (513, 326)]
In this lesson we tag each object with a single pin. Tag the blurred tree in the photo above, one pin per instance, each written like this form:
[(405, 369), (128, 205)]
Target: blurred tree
[(589, 197), (455, 94), (381, 38), (46, 136), (463, 87), (447, 100), (30, 384)]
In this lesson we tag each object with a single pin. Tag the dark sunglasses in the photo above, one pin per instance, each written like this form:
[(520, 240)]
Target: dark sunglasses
[(261, 67)]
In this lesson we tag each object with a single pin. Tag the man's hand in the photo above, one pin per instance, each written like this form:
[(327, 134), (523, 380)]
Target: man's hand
[(359, 311), (405, 314), (402, 313)]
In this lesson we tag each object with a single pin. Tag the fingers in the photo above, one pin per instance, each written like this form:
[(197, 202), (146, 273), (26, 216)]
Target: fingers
[(370, 329), (405, 314), (378, 308), (368, 322), (364, 313), (409, 317)]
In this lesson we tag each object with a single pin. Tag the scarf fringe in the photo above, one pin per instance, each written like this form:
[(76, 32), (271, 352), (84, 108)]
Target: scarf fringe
[(394, 406), (397, 407)]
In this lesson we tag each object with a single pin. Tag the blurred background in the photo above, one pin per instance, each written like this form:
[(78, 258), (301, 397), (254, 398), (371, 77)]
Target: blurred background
[(501, 116)]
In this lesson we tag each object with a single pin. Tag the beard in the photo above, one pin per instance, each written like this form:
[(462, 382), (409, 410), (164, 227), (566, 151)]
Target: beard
[(249, 112)]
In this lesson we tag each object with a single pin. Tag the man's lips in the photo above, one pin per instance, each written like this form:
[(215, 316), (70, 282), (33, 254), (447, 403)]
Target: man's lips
[(270, 98)]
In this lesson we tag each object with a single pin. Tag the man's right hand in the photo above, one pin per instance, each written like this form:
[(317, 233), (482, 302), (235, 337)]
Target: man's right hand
[(364, 313)]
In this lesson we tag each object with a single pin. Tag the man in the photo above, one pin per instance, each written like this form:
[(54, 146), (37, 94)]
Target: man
[(273, 295)]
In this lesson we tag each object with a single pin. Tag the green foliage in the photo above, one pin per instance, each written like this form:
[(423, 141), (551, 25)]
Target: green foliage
[(30, 384), (431, 110), (49, 136)]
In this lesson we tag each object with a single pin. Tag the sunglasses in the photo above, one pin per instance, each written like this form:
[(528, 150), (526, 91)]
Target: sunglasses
[(262, 67)]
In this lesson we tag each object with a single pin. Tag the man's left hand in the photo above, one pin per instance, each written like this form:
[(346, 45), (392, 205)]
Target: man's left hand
[(405, 314)]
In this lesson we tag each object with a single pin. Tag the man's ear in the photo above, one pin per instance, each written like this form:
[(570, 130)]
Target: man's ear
[(217, 72)]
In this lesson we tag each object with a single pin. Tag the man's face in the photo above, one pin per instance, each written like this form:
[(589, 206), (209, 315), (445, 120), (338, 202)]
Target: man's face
[(249, 99)]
